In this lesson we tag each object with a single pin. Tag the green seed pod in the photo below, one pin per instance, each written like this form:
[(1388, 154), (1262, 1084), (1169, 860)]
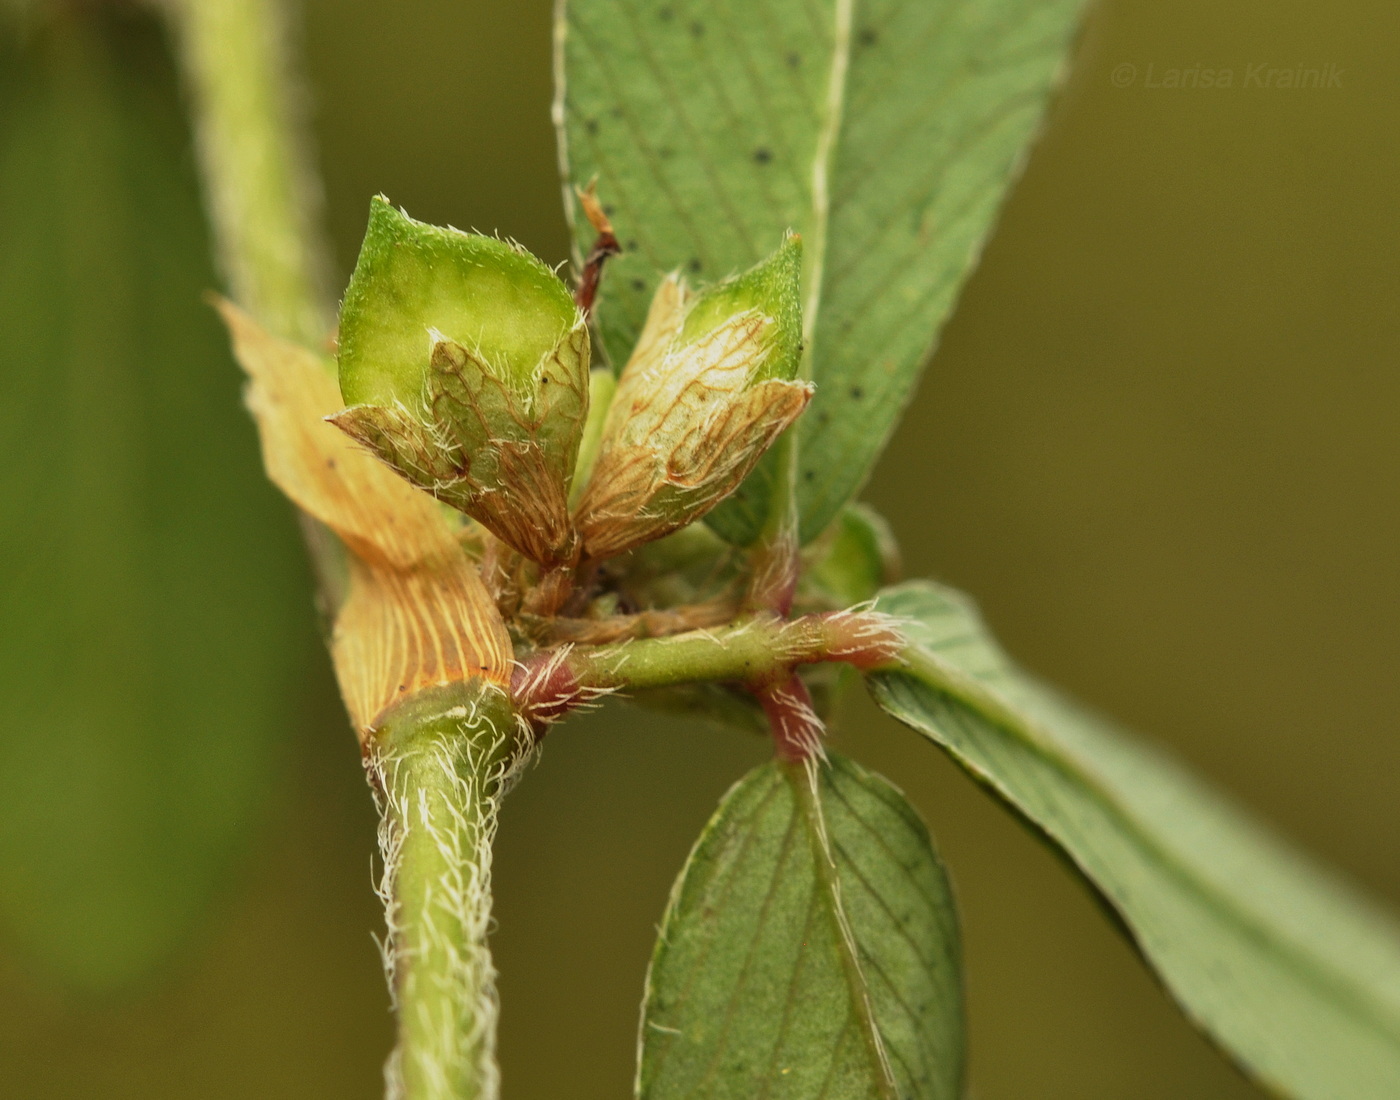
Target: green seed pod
[(773, 288), (465, 365), (706, 392)]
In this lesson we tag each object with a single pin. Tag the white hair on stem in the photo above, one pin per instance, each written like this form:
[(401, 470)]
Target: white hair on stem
[(439, 796)]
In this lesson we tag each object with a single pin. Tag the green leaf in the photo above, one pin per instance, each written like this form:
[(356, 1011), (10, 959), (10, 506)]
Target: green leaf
[(854, 559), (886, 132), (153, 599), (810, 948), (1288, 971)]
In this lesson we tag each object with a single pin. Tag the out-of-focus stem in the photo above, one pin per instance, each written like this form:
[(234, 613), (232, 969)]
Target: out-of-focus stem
[(260, 190), (254, 151)]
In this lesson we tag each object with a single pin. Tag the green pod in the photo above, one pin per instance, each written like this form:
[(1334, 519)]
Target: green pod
[(413, 279), (464, 361), (708, 389), (772, 287), (776, 282)]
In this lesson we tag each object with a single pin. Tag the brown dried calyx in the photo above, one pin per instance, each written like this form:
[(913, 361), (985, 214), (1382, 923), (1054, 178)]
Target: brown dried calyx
[(707, 391)]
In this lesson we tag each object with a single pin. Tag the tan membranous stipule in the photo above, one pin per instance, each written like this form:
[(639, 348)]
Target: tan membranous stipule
[(655, 623)]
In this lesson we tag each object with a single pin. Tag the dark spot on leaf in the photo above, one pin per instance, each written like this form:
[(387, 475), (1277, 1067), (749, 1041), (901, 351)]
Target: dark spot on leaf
[(616, 112), (694, 264), (809, 475), (857, 393), (591, 125), (665, 15), (868, 36), (698, 30), (762, 155), (609, 209), (639, 285), (794, 59), (631, 246), (665, 152), (823, 417)]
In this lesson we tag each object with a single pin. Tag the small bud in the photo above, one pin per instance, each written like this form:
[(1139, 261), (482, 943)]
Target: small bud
[(465, 364), (706, 391)]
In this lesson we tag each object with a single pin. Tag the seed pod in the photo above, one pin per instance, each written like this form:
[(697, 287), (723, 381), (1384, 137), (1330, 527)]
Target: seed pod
[(465, 365), (707, 390)]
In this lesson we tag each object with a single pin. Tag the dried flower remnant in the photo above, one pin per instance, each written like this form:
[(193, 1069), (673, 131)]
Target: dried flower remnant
[(605, 246), (706, 392), (465, 364)]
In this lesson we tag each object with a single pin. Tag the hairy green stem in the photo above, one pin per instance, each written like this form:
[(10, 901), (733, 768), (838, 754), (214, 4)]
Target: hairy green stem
[(758, 650), (253, 148), (752, 650), (439, 764), (440, 761)]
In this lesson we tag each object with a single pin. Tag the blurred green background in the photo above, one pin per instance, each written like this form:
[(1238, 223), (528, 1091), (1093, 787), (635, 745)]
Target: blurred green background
[(1160, 443)]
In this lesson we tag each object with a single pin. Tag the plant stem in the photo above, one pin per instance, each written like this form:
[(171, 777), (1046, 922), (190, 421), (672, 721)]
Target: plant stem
[(260, 190), (776, 554), (261, 193), (759, 650), (440, 763), (796, 729), (440, 760)]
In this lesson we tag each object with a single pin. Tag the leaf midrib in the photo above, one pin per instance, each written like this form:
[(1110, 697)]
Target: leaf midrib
[(805, 782), (843, 15)]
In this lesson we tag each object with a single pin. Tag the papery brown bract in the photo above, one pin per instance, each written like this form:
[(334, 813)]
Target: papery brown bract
[(501, 452)]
